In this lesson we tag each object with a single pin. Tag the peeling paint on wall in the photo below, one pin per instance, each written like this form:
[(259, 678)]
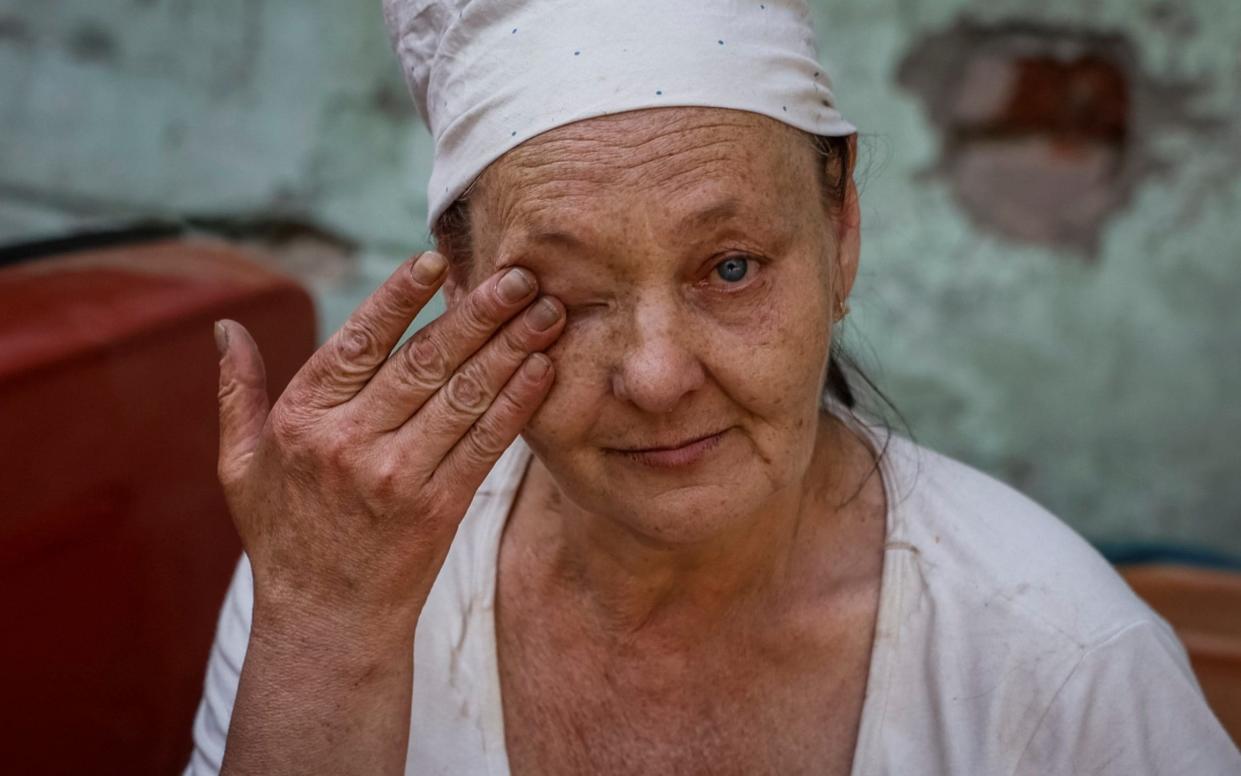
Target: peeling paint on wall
[(1045, 131)]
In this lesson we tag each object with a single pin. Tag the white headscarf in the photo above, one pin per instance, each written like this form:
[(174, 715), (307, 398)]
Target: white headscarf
[(487, 75)]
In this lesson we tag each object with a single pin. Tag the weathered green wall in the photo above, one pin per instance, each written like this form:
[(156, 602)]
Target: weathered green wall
[(1103, 383), (1109, 389)]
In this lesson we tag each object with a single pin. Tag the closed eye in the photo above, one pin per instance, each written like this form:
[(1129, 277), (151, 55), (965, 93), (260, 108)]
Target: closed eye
[(584, 309)]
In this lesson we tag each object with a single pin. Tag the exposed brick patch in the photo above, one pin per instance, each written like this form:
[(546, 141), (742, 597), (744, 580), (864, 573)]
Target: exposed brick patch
[(1077, 102), (1044, 130)]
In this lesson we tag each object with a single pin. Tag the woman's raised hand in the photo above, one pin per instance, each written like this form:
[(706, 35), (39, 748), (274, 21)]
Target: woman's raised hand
[(347, 493)]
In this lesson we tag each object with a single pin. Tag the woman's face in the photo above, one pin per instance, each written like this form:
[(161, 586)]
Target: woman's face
[(700, 271)]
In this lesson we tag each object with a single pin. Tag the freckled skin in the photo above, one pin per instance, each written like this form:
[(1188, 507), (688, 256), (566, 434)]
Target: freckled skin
[(649, 355), (715, 618)]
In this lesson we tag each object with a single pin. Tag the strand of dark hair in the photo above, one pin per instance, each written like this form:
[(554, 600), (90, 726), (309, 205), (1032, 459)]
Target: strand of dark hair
[(844, 374)]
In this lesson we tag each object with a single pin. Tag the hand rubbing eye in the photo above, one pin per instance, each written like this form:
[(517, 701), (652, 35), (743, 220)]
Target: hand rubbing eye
[(732, 270)]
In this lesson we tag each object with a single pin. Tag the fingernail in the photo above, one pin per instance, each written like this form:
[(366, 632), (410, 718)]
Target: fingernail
[(428, 268), (543, 315), (221, 338), (537, 366), (516, 285)]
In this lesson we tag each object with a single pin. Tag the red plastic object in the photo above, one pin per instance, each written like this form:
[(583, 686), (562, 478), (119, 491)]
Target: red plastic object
[(115, 544), (1203, 606)]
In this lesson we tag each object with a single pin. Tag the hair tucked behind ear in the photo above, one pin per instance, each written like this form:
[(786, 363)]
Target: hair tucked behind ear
[(834, 186), (844, 375)]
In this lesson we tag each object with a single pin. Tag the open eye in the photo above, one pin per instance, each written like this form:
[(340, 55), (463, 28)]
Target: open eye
[(733, 269)]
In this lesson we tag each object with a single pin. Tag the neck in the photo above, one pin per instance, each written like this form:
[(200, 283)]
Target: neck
[(631, 583)]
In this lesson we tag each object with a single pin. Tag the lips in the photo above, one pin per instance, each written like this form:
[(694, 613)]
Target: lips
[(677, 455), (663, 448)]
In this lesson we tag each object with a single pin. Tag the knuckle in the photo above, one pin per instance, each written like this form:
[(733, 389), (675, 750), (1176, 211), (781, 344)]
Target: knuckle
[(466, 394), (385, 477), (238, 383), (228, 389), (337, 453), (313, 444), (486, 442), (357, 342), (426, 362)]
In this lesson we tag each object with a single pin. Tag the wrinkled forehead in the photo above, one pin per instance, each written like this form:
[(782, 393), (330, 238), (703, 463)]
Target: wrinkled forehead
[(655, 173)]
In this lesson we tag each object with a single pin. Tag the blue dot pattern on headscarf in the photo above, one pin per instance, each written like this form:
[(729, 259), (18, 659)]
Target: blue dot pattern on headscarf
[(457, 142)]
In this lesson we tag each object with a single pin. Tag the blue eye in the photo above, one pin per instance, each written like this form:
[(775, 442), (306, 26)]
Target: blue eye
[(732, 270)]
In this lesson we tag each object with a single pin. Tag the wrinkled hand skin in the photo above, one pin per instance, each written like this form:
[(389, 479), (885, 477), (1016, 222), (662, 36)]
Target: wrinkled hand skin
[(347, 493)]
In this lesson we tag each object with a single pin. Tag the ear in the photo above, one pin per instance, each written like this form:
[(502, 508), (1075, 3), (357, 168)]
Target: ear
[(848, 232)]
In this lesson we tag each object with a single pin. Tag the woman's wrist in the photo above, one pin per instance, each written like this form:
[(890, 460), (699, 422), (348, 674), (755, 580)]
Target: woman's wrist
[(325, 688), (298, 619)]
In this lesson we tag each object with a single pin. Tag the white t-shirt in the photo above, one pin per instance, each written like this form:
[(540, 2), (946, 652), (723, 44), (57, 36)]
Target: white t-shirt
[(1005, 645)]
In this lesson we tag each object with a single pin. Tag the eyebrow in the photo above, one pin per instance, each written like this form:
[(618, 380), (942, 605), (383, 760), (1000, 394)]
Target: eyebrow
[(556, 238), (719, 210)]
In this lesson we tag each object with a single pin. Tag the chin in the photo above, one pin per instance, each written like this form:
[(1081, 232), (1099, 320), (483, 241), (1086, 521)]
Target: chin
[(685, 516)]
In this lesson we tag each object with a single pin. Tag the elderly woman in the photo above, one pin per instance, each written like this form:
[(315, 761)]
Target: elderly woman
[(612, 512)]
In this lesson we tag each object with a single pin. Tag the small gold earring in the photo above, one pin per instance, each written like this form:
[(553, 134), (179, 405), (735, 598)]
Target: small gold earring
[(843, 306)]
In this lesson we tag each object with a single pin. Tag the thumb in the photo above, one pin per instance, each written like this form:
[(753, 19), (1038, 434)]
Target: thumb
[(243, 397)]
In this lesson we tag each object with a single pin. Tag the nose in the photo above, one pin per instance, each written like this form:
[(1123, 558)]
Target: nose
[(658, 364)]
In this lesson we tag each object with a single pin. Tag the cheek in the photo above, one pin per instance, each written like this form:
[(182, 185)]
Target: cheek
[(772, 359), (778, 380), (766, 357), (582, 360)]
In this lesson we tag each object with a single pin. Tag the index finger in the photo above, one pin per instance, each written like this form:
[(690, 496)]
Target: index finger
[(342, 366), (428, 360)]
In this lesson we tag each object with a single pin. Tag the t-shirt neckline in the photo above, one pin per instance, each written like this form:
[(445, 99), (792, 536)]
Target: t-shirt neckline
[(509, 475)]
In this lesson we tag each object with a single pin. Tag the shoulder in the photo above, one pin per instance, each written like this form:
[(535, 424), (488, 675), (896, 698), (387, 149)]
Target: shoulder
[(1130, 705), (1000, 554), (1003, 637)]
